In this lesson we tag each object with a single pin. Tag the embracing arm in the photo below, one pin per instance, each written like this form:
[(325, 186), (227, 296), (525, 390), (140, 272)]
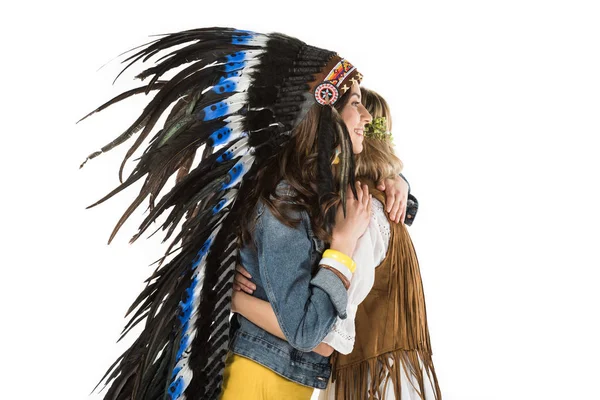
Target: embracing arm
[(399, 203), (257, 311), (260, 313), (369, 252), (305, 307)]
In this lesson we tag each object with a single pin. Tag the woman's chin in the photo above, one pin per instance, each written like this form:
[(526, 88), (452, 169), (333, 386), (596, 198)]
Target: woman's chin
[(357, 149)]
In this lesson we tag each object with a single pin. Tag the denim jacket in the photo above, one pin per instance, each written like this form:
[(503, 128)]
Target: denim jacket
[(282, 264)]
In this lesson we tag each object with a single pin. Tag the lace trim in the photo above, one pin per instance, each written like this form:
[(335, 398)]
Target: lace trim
[(378, 216), (344, 335)]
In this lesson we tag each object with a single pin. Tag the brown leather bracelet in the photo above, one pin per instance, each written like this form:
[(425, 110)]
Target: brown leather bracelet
[(344, 280)]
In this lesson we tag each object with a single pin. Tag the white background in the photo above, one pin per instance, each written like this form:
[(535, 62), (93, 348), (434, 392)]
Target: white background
[(496, 115)]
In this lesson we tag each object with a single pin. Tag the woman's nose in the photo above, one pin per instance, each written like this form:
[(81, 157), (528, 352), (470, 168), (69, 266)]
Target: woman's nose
[(367, 116)]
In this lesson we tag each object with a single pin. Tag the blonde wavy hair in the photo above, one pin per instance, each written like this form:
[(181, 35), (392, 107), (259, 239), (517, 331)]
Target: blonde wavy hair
[(377, 160)]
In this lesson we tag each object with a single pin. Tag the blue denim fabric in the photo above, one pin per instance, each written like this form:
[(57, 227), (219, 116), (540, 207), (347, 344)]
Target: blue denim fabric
[(282, 264), (412, 205)]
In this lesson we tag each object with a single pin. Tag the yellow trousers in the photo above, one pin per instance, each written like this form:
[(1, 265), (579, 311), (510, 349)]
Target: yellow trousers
[(245, 379)]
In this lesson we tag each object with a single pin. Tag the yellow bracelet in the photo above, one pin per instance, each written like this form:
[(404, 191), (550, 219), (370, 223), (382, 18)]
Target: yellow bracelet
[(341, 257)]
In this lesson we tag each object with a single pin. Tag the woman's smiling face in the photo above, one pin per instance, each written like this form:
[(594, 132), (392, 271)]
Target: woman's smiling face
[(355, 116)]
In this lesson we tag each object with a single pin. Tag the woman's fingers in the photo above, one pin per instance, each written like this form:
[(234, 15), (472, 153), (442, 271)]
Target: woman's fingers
[(366, 195), (402, 216), (397, 211), (359, 191), (390, 201), (396, 193), (241, 280), (239, 268), (244, 284)]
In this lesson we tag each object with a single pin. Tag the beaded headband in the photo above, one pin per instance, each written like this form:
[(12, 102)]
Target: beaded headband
[(341, 76)]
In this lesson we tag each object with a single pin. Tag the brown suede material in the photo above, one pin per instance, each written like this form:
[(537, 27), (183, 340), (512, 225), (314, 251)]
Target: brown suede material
[(391, 324)]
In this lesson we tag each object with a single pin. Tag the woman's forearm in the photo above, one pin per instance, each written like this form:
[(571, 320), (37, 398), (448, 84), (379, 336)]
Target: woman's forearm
[(257, 311), (305, 304), (260, 313)]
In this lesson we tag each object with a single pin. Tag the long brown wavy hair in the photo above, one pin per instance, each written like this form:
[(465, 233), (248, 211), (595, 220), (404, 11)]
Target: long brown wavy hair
[(296, 164)]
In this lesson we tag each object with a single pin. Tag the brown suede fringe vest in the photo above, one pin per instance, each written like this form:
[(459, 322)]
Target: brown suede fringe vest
[(391, 329)]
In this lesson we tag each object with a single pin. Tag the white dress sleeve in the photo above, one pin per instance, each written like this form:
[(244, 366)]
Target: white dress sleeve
[(370, 252)]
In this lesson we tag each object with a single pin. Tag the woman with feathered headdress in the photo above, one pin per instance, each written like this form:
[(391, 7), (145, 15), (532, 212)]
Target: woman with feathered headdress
[(383, 348), (269, 115)]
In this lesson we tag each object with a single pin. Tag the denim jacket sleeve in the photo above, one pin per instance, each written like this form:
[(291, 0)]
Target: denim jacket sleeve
[(306, 306), (412, 205)]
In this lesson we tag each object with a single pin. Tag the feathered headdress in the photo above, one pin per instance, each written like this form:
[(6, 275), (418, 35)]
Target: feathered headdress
[(237, 95)]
